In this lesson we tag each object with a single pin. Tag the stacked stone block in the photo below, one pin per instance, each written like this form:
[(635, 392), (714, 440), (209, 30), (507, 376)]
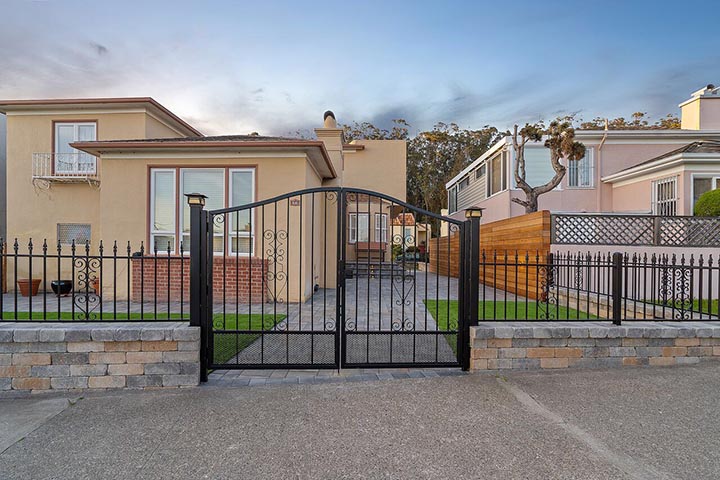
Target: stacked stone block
[(523, 346), (40, 357)]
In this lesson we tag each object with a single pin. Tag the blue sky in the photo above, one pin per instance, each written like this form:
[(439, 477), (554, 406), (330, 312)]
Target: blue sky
[(275, 66)]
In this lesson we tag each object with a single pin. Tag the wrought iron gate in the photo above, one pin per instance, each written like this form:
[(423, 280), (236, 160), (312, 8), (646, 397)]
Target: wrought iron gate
[(328, 277)]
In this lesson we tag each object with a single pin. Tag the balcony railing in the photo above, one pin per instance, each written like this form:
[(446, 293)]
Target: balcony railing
[(66, 167)]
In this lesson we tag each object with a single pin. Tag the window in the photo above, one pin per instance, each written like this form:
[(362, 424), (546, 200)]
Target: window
[(664, 196), (480, 172), (463, 183), (580, 172), (381, 227), (702, 184), (223, 186), (538, 169), (452, 199), (67, 159), (162, 210), (359, 228), (498, 176), (67, 233)]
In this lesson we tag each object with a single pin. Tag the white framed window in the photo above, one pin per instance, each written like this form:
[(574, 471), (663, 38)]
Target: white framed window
[(480, 172), (581, 172), (358, 227), (242, 191), (68, 160), (381, 227), (210, 182), (163, 199), (223, 187), (664, 196)]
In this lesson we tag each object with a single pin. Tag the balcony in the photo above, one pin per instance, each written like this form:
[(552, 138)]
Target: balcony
[(65, 168)]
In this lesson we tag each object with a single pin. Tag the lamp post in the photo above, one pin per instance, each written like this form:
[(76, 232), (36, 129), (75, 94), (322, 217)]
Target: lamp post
[(198, 272)]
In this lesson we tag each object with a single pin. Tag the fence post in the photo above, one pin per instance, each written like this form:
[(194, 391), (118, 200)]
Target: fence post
[(657, 228), (197, 267), (617, 280), (471, 255)]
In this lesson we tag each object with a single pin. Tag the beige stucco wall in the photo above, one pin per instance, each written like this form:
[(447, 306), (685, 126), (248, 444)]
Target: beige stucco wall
[(381, 166), (690, 116), (156, 129)]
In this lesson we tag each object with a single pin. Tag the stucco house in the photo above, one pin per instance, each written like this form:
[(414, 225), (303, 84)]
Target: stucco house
[(118, 168), (659, 172)]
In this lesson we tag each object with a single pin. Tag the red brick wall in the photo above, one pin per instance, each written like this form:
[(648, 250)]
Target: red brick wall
[(238, 278)]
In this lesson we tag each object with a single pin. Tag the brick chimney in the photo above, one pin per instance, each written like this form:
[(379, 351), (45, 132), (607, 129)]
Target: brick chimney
[(702, 110), (332, 137)]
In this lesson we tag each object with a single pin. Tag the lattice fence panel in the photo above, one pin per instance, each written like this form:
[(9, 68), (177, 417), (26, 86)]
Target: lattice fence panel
[(602, 230)]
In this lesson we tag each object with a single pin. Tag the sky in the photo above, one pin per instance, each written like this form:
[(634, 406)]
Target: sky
[(274, 67)]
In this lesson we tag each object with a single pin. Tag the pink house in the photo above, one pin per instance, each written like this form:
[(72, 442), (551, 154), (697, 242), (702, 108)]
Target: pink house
[(660, 172)]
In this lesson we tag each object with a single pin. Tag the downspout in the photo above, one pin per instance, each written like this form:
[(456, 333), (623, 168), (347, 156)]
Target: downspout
[(599, 172)]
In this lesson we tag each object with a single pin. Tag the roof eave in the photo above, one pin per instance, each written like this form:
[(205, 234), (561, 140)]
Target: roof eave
[(97, 148)]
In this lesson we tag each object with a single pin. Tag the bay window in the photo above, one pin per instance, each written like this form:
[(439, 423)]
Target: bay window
[(703, 183), (224, 187)]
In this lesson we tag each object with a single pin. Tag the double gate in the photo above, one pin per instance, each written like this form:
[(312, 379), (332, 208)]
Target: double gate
[(329, 278)]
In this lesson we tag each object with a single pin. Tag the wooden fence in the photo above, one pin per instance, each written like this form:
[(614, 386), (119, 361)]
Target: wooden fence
[(526, 236)]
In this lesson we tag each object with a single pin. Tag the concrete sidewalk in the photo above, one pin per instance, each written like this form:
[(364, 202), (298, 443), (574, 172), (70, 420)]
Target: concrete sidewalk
[(649, 423)]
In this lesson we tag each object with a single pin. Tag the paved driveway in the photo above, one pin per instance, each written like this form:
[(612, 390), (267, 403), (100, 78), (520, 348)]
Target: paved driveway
[(649, 423)]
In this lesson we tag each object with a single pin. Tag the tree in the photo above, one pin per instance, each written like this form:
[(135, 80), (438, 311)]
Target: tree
[(560, 139), (368, 131), (638, 121), (439, 154)]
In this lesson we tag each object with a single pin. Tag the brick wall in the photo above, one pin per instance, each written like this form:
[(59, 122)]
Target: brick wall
[(45, 357), (239, 277), (522, 346)]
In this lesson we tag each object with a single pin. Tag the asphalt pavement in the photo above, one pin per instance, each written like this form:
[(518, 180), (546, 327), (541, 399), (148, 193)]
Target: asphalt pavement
[(643, 423)]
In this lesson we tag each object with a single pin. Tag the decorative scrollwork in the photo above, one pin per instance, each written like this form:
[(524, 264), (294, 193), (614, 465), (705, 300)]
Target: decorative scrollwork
[(276, 278), (218, 220), (86, 298), (402, 325), (682, 303), (350, 324), (404, 286), (547, 304), (329, 324), (331, 198)]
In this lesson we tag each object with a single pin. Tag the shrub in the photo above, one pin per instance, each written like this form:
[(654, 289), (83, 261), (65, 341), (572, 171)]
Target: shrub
[(411, 249), (708, 205)]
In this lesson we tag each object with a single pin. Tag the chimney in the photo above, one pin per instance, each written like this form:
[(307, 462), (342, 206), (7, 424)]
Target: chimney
[(702, 110), (332, 137)]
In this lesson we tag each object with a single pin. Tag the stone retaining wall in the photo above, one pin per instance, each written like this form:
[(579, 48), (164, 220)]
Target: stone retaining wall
[(60, 356), (529, 346)]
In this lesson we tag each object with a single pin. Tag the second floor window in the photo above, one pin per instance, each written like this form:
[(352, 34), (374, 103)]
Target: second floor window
[(580, 172), (67, 159)]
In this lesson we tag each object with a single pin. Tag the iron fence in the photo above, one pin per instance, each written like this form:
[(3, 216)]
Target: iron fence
[(591, 287), (79, 282), (639, 230)]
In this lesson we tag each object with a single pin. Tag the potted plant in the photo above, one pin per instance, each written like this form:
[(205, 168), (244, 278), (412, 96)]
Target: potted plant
[(27, 287)]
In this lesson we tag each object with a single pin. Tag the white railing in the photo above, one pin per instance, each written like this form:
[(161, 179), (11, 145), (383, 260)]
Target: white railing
[(65, 166)]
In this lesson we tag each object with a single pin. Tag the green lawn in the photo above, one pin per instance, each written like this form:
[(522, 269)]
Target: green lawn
[(502, 311), (228, 345), (708, 307)]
